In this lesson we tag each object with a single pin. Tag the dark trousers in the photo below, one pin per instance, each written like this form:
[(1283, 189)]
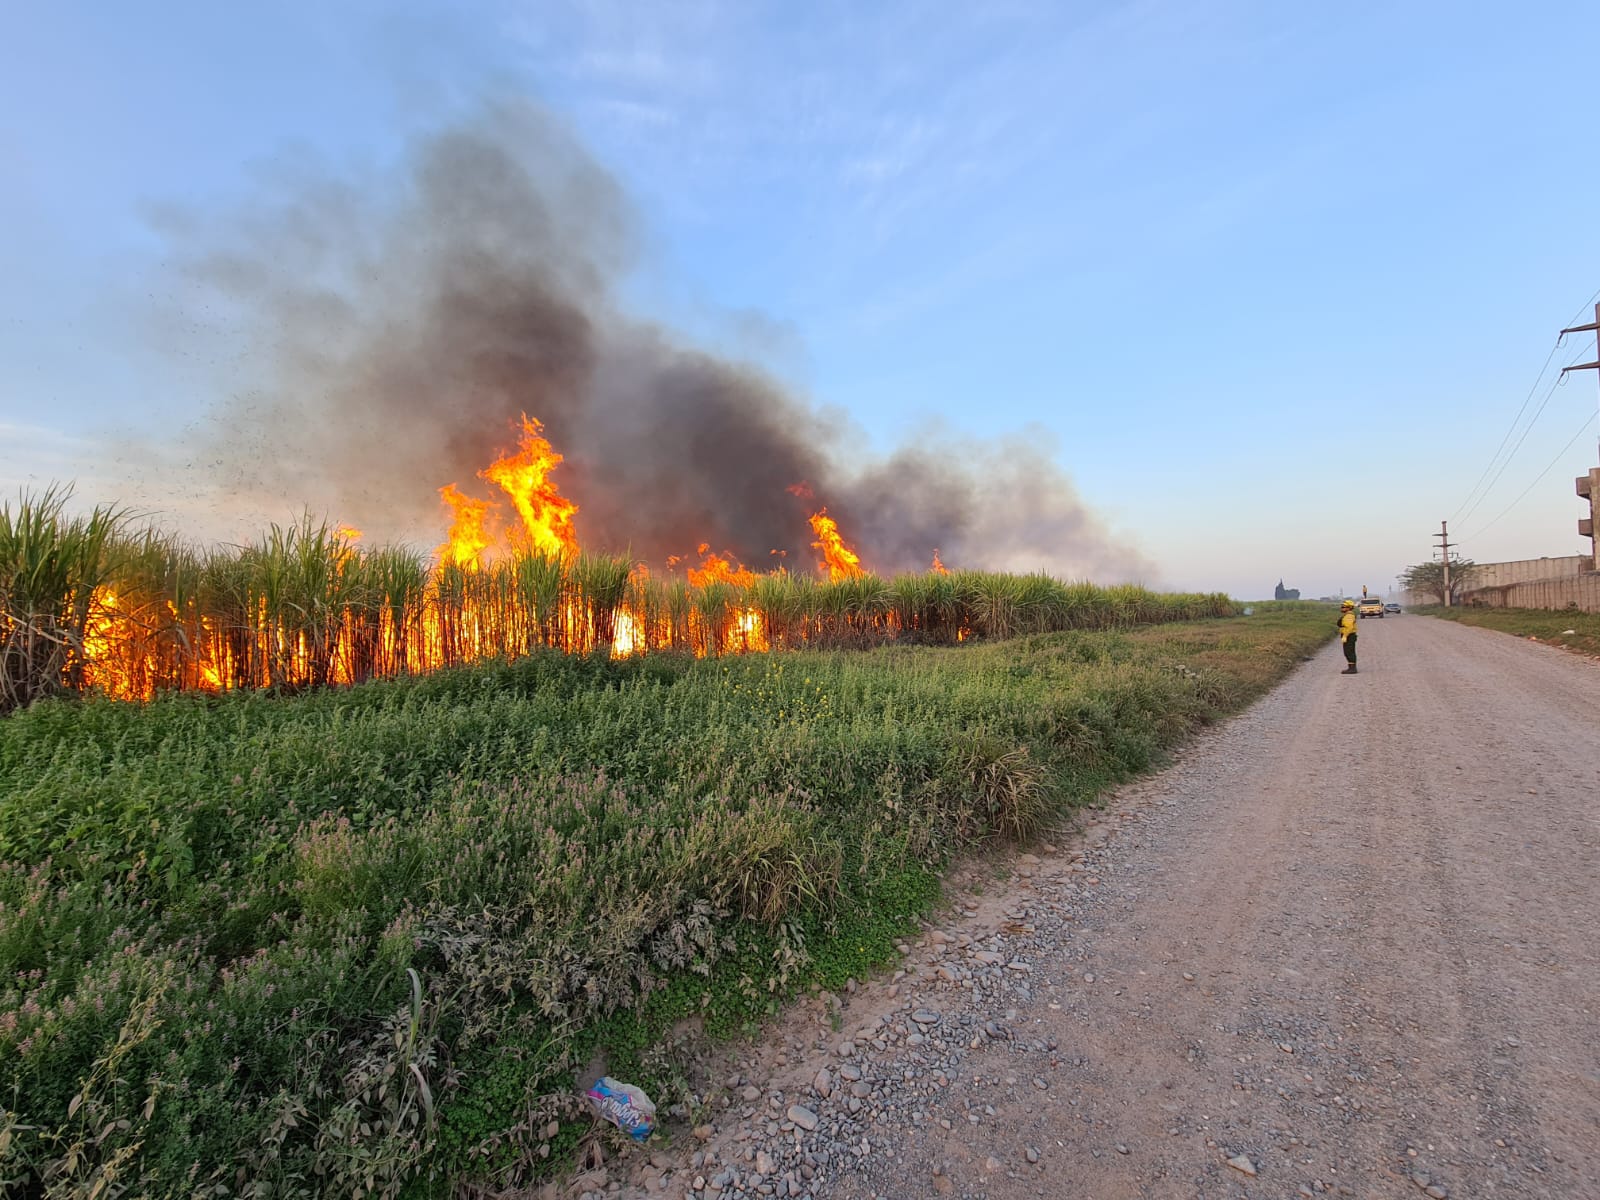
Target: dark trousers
[(1350, 649)]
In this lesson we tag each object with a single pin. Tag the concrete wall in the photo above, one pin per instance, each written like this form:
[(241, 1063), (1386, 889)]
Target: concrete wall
[(1529, 583), (1525, 570), (1582, 591)]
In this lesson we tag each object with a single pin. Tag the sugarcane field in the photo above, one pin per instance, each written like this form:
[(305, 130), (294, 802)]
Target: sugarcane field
[(704, 601)]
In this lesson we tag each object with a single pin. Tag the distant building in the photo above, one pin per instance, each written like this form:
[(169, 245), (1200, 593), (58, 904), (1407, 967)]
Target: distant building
[(1283, 593)]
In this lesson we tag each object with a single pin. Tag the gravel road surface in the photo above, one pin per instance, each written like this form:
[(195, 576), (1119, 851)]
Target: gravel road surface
[(1349, 945)]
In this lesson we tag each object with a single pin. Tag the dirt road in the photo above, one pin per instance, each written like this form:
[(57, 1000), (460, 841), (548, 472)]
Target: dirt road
[(1351, 942)]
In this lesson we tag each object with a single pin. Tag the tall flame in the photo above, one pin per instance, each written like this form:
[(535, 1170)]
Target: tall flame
[(468, 539), (938, 567), (838, 559), (546, 513)]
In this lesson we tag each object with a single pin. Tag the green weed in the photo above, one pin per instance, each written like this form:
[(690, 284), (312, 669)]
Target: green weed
[(360, 941), (1570, 629)]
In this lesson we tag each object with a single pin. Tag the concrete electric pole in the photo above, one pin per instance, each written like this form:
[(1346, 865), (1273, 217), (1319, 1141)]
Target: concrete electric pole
[(1589, 489), (1444, 552), (1589, 485)]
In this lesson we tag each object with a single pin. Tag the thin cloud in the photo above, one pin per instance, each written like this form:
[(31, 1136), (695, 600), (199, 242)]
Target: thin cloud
[(643, 68), (32, 456), (635, 115)]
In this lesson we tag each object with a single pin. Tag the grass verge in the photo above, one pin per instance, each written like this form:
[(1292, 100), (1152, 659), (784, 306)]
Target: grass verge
[(1569, 629), (358, 942)]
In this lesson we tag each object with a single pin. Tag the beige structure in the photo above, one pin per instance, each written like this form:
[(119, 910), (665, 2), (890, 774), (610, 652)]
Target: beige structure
[(1575, 591), (1536, 583), (1526, 570)]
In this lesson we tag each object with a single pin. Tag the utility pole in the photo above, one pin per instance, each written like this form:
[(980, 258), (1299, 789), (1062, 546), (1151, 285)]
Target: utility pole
[(1444, 552), (1589, 485), (1592, 327)]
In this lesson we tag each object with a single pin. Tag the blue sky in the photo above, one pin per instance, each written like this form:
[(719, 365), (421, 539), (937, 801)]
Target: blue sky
[(1272, 279)]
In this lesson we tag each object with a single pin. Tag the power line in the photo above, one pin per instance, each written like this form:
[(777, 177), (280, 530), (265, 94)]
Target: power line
[(1510, 429), (1526, 400), (1581, 431), (1526, 429)]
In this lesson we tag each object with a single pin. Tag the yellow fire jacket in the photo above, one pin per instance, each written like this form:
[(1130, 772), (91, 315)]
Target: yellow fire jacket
[(1347, 624)]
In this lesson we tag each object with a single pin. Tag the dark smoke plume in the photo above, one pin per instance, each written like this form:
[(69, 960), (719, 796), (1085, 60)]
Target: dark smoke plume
[(397, 330)]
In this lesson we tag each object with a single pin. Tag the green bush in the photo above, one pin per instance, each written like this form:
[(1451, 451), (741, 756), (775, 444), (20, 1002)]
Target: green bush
[(357, 941)]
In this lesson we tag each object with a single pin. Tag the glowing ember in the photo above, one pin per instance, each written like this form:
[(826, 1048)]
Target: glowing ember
[(749, 632), (838, 560), (546, 513), (629, 638), (98, 643), (468, 539)]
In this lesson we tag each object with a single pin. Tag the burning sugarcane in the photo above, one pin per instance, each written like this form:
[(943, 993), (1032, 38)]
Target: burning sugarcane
[(310, 604)]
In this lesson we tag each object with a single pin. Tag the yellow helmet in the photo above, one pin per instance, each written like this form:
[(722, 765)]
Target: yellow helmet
[(1348, 604)]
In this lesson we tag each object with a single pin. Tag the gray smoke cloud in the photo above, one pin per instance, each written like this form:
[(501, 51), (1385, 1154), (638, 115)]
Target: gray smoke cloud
[(395, 327)]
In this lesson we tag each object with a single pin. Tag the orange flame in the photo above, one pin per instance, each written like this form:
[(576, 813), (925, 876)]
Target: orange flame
[(748, 633), (467, 540), (546, 513), (97, 637), (838, 560), (938, 568), (715, 569), (629, 636), (347, 533)]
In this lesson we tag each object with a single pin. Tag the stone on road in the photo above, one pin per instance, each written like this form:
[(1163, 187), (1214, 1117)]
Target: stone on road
[(1240, 1162)]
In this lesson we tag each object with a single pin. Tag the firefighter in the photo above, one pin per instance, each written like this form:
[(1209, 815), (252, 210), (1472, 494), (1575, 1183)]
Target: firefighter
[(1347, 634)]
